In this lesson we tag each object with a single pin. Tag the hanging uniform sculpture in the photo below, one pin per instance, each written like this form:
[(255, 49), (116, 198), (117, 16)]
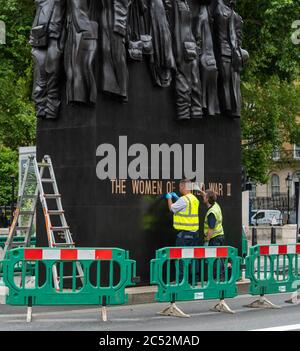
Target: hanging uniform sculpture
[(162, 61), (47, 38), (188, 86), (81, 47), (228, 56), (138, 35), (113, 29), (200, 57), (208, 64)]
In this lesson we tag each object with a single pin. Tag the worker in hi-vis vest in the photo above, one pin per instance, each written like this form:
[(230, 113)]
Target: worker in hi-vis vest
[(213, 225), (185, 217)]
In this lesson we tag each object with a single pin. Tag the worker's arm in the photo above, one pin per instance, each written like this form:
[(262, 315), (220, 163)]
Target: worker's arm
[(178, 206), (170, 203), (169, 197), (202, 193), (209, 234)]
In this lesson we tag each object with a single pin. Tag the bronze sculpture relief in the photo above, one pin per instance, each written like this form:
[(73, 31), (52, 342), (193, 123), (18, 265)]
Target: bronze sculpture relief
[(113, 29), (47, 39), (199, 54), (81, 47), (208, 64), (188, 86), (162, 61), (228, 41)]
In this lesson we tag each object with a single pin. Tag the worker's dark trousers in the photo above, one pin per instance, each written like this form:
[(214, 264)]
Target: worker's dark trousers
[(185, 238), (218, 241)]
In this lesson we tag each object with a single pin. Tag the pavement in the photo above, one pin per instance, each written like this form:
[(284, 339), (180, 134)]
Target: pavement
[(145, 317), (146, 294)]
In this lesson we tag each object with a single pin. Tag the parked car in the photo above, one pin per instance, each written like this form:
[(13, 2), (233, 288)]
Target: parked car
[(267, 217)]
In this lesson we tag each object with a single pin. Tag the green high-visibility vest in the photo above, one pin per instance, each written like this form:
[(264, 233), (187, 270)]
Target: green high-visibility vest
[(189, 218), (218, 230)]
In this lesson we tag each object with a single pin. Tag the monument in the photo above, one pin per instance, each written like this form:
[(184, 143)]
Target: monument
[(131, 96)]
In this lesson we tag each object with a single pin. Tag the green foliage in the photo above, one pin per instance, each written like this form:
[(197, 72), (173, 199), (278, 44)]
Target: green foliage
[(271, 95), (8, 168), (17, 120), (267, 36)]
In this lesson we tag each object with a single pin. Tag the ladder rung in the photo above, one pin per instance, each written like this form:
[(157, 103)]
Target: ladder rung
[(43, 164), (16, 244), (22, 228), (47, 180), (55, 212), (27, 212), (52, 196), (29, 196), (70, 245), (58, 229), (70, 276)]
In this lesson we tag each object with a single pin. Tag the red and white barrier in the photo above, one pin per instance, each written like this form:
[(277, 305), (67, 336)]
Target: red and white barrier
[(67, 254), (198, 252), (279, 249)]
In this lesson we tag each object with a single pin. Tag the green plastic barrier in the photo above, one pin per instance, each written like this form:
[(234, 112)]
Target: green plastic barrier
[(202, 278), (273, 269), (75, 290), (17, 239)]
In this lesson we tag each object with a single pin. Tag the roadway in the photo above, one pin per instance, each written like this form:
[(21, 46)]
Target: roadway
[(145, 317)]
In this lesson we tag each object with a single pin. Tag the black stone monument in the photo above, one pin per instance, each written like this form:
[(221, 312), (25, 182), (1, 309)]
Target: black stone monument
[(102, 214)]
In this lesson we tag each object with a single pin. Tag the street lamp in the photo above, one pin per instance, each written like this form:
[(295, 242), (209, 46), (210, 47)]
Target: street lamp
[(12, 208), (288, 182)]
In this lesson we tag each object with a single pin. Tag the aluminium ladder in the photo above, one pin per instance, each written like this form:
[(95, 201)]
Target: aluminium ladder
[(33, 187)]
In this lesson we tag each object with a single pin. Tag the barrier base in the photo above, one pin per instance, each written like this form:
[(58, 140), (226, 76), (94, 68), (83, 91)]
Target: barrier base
[(104, 314), (222, 307), (295, 299), (262, 302), (29, 315), (174, 311)]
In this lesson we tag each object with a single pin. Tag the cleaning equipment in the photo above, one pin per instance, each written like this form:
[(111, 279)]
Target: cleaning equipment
[(37, 178)]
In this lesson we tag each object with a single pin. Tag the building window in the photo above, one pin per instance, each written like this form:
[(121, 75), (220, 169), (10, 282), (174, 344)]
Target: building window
[(275, 185), (297, 152), (253, 191), (296, 179), (276, 154)]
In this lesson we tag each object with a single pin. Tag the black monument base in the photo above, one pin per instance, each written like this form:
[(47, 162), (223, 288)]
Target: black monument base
[(98, 214)]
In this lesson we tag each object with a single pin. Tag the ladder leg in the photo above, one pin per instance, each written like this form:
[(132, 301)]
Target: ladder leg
[(104, 314), (55, 277), (104, 310), (29, 310), (29, 315), (80, 272)]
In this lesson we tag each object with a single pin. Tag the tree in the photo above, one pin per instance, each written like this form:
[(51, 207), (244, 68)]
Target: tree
[(268, 121), (8, 168), (17, 119), (271, 95)]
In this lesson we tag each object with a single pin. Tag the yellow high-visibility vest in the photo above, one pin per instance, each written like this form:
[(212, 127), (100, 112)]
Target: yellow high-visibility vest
[(218, 230), (189, 218)]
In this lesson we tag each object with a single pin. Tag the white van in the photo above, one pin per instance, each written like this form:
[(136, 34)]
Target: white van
[(267, 217)]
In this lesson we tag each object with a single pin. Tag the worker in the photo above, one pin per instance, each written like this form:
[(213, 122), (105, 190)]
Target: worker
[(185, 218), (213, 225)]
